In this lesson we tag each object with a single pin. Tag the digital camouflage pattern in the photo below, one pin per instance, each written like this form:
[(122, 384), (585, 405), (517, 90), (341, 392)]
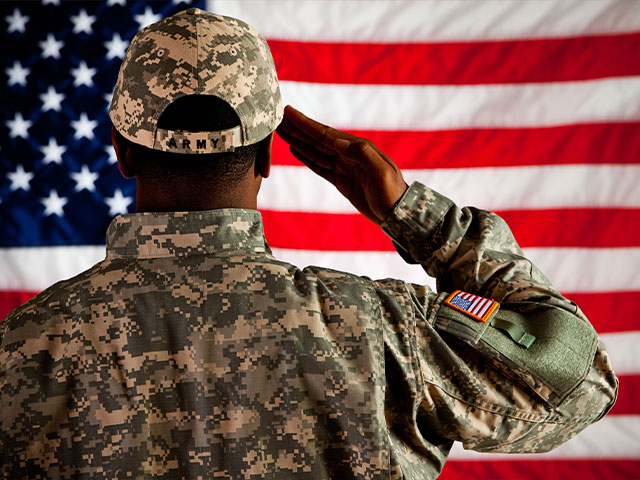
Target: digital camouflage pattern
[(191, 352), (196, 53)]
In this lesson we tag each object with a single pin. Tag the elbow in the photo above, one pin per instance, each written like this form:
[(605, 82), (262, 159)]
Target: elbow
[(591, 400), (600, 388), (594, 396)]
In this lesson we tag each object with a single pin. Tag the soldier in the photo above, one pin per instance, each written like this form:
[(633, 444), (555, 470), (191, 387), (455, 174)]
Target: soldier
[(191, 352)]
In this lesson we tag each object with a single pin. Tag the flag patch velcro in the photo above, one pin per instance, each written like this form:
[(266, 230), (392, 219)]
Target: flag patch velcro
[(476, 307)]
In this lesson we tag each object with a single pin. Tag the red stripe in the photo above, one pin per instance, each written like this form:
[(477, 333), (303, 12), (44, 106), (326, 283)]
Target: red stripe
[(478, 62), (610, 311), (323, 231), (577, 227), (627, 402), (574, 227), (10, 299), (587, 469), (610, 143)]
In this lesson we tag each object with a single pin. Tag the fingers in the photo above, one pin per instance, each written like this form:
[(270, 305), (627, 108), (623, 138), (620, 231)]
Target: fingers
[(326, 173), (323, 145), (297, 123), (321, 156), (297, 138), (303, 128), (314, 157)]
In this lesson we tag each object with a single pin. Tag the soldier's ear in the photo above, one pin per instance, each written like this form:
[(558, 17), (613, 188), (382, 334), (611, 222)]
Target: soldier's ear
[(263, 158), (123, 154)]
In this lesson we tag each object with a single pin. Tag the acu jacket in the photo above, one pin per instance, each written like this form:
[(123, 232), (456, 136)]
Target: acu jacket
[(191, 352)]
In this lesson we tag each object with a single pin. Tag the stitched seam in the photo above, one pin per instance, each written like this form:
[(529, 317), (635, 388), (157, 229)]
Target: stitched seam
[(191, 254), (414, 348), (196, 66), (381, 318)]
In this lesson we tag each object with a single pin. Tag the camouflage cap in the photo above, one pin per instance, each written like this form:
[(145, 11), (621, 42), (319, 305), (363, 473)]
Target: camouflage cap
[(196, 53)]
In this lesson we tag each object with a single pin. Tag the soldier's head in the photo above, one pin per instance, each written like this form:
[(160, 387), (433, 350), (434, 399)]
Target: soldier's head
[(195, 105)]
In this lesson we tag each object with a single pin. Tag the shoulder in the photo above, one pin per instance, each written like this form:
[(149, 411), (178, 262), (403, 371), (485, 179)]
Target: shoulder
[(52, 305), (360, 289)]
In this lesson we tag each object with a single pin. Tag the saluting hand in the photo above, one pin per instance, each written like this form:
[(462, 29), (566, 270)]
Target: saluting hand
[(368, 178)]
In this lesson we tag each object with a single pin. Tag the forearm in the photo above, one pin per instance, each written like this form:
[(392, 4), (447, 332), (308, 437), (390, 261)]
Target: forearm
[(468, 249)]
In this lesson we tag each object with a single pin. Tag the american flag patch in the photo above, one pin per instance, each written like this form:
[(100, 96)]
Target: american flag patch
[(476, 307)]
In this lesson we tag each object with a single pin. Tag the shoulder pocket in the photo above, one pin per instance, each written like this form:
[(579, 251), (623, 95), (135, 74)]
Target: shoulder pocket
[(552, 365)]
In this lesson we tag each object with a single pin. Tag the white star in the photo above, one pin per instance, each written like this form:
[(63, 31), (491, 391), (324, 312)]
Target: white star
[(83, 75), (19, 126), (51, 2), (53, 204), (176, 2), (85, 178), (20, 179), (118, 203), (111, 3), (82, 22), (84, 127), (53, 152), (17, 22), (51, 100), (17, 74), (147, 18), (51, 47), (107, 98), (112, 154), (116, 47)]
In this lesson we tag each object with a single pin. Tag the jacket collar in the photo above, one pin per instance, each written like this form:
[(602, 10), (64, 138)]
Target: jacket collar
[(175, 234)]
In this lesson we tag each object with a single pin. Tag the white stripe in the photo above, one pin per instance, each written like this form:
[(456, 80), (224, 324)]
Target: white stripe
[(473, 305), (292, 188), (430, 21), (569, 269), (35, 268), (479, 307), (588, 269), (437, 107), (613, 437), (485, 308), (624, 352)]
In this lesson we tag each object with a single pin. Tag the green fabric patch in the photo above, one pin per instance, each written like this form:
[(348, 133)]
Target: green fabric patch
[(559, 358), (518, 335)]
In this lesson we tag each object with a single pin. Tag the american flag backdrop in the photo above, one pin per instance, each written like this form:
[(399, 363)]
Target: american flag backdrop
[(530, 109)]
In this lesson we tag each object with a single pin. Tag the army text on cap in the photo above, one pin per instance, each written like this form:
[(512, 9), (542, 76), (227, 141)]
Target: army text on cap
[(198, 142)]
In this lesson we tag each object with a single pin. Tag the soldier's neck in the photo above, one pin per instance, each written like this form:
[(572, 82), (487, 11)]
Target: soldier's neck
[(180, 197)]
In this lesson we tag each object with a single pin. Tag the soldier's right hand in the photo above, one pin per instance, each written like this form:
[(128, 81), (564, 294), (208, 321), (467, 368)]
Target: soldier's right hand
[(368, 178)]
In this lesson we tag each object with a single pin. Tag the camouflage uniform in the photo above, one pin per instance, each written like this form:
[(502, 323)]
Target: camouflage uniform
[(191, 352)]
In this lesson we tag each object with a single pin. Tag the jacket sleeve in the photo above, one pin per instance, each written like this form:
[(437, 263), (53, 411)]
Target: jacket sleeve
[(479, 382)]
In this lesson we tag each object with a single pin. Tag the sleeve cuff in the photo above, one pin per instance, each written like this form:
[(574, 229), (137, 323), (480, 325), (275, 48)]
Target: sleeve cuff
[(415, 217)]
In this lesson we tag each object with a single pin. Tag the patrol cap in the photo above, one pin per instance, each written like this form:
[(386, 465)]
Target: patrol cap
[(196, 53)]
